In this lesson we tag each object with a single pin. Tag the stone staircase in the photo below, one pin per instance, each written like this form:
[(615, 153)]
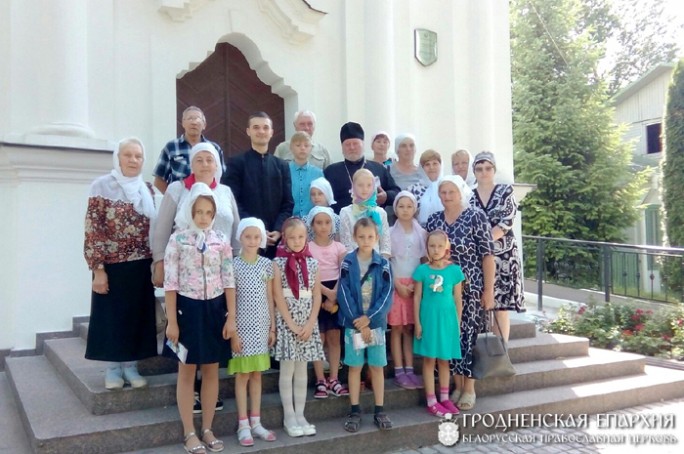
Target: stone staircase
[(65, 407)]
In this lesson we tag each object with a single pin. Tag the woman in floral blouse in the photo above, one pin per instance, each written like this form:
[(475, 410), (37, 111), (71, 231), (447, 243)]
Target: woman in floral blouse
[(122, 324)]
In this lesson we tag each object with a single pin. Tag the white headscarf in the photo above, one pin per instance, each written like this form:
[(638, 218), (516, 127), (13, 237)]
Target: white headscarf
[(253, 222), (317, 210), (206, 146), (135, 188), (323, 185), (399, 139), (466, 192), (470, 180), (397, 236), (197, 190)]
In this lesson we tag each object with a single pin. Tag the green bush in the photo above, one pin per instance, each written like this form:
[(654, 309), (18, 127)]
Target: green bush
[(625, 328)]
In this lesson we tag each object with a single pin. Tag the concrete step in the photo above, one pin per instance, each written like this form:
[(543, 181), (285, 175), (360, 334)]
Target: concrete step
[(86, 377), (519, 329), (414, 427)]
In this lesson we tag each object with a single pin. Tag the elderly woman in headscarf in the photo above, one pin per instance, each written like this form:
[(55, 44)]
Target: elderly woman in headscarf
[(472, 249), (205, 165), (122, 326), (462, 165), (404, 171), (427, 195)]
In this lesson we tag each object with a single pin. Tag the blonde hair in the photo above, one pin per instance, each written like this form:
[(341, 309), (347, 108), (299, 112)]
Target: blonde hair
[(300, 136), (362, 172), (447, 249), (291, 223), (458, 152)]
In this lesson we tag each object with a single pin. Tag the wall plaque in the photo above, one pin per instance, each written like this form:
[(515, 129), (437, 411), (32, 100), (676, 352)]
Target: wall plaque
[(425, 46)]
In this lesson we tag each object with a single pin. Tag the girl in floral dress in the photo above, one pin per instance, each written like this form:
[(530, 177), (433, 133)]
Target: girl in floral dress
[(200, 290)]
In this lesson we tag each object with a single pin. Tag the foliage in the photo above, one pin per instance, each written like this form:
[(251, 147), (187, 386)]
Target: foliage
[(564, 137), (673, 175), (642, 36), (625, 327)]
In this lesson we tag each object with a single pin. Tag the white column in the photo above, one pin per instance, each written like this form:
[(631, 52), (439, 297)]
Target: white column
[(380, 69), (49, 64)]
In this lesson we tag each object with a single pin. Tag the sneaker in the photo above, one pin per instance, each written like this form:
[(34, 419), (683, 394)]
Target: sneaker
[(337, 389), (437, 410), (113, 378), (131, 376), (321, 391), (450, 407), (197, 407), (404, 381), (417, 380)]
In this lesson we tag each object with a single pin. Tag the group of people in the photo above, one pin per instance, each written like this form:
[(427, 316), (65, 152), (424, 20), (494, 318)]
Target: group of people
[(292, 258)]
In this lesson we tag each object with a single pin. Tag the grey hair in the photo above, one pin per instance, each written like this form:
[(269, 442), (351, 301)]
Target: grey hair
[(129, 141), (196, 109), (303, 113)]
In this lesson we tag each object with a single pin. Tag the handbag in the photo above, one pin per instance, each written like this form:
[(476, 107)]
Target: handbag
[(490, 356)]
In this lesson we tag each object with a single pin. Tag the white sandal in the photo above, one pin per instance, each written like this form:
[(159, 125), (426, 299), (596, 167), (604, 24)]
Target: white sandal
[(263, 433), (244, 434)]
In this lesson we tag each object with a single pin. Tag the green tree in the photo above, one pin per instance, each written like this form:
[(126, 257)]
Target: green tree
[(564, 136), (672, 166), (643, 36)]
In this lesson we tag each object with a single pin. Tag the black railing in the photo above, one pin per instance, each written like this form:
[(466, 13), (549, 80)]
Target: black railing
[(648, 272)]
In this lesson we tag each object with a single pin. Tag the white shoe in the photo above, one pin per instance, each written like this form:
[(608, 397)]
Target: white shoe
[(132, 377), (113, 379)]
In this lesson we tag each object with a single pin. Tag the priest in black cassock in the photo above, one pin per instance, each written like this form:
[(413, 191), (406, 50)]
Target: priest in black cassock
[(340, 174), (261, 182)]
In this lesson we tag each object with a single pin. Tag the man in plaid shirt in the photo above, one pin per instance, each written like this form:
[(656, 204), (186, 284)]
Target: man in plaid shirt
[(173, 164)]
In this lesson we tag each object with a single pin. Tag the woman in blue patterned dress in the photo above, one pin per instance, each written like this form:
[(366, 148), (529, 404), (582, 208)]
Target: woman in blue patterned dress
[(498, 203), (472, 250)]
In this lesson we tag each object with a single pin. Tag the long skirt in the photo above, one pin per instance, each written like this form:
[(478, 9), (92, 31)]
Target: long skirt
[(122, 324)]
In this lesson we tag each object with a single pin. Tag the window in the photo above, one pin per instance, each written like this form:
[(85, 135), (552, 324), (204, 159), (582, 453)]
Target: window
[(653, 142)]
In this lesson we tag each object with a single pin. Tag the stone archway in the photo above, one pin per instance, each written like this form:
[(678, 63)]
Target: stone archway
[(228, 91)]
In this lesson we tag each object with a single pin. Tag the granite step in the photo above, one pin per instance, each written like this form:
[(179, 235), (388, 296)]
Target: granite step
[(42, 393), (86, 377)]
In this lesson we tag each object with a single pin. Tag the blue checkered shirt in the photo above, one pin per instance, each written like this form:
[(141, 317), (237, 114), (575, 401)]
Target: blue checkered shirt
[(174, 165)]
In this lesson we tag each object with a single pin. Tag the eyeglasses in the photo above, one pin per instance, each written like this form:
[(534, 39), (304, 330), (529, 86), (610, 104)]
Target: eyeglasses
[(193, 118), (484, 168)]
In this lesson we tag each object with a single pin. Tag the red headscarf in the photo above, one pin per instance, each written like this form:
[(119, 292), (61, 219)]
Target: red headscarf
[(294, 259), (189, 181)]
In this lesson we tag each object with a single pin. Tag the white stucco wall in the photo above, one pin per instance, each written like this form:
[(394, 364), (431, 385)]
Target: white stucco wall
[(354, 63)]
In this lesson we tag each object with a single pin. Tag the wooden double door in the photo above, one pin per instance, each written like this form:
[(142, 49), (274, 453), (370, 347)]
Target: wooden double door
[(228, 91)]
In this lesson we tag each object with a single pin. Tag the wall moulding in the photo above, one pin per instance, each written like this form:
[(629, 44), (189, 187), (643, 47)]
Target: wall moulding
[(30, 163), (180, 10), (296, 19)]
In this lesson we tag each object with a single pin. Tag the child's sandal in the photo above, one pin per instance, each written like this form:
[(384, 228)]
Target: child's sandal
[(215, 445), (197, 449), (263, 433), (382, 421), (337, 389), (353, 422), (321, 391), (244, 434)]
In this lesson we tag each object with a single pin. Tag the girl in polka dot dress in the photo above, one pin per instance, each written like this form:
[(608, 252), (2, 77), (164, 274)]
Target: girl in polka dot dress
[(255, 324)]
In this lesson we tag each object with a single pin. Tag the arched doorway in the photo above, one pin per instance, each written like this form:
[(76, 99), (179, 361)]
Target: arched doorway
[(228, 91)]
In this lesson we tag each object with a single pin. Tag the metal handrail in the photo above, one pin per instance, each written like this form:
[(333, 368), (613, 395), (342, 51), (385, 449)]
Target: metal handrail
[(607, 251)]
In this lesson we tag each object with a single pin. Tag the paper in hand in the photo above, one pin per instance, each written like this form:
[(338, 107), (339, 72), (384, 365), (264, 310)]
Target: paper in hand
[(179, 349)]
